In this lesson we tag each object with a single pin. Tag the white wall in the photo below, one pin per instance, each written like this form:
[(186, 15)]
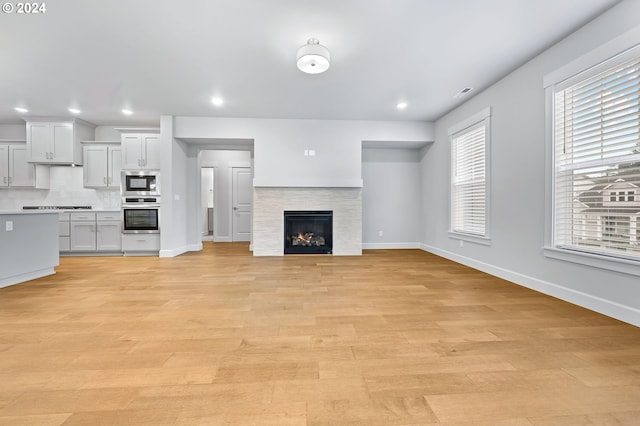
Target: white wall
[(518, 182), (13, 131), (279, 146), (175, 219), (391, 198)]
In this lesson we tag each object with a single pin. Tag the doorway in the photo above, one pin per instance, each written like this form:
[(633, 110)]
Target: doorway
[(226, 195), (207, 199)]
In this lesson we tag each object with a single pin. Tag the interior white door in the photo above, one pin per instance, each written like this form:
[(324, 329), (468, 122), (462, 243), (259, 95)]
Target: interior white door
[(242, 190)]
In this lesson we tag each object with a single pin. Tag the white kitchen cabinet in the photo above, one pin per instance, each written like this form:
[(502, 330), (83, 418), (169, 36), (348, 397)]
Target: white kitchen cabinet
[(57, 142), (83, 232), (90, 232), (141, 244), (64, 232), (141, 151), (102, 165), (16, 172), (109, 232)]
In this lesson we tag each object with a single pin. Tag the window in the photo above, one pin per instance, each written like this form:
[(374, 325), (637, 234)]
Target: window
[(596, 159), (469, 178)]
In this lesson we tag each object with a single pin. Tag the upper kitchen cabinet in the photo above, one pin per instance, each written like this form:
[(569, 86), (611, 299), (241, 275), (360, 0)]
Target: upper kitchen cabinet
[(57, 142), (16, 172), (140, 150), (102, 165)]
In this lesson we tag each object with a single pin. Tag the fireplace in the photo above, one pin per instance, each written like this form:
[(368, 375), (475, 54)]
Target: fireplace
[(308, 232)]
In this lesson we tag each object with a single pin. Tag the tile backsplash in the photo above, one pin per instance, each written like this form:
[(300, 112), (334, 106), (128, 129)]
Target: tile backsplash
[(65, 189)]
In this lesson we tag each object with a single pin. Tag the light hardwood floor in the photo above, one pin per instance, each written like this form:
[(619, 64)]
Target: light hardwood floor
[(394, 337)]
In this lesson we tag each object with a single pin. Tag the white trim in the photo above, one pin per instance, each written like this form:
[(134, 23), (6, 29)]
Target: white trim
[(470, 121), (598, 55), (17, 279), (217, 239), (180, 250), (609, 308), (485, 241), (389, 246), (626, 266)]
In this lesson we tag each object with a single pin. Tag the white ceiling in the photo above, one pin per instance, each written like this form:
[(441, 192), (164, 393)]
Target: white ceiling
[(171, 57)]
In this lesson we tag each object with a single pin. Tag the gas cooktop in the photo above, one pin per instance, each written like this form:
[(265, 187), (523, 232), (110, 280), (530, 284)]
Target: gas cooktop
[(56, 207)]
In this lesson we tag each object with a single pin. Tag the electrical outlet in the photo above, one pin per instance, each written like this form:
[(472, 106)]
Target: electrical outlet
[(8, 225), (380, 233), (461, 243), (312, 153)]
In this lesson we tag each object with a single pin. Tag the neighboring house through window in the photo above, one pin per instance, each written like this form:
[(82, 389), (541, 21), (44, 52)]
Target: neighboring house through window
[(469, 218), (595, 159)]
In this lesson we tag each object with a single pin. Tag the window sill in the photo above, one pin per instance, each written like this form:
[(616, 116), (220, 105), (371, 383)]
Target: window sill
[(625, 266), (485, 241)]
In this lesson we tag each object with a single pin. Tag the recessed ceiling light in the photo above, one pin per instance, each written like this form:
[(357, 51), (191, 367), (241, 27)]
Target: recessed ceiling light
[(401, 105), (20, 109), (217, 101), (74, 111), (127, 112)]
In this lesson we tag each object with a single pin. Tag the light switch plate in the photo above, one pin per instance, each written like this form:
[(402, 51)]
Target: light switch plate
[(8, 225)]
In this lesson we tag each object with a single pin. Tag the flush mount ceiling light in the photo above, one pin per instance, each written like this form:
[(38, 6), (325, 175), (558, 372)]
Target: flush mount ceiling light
[(313, 58), (127, 111), (217, 101), (21, 110), (74, 111), (401, 105)]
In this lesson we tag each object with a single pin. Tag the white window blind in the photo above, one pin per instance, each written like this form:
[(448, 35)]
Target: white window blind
[(597, 163), (469, 181)]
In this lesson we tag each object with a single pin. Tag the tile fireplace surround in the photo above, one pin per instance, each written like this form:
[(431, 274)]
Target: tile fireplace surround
[(269, 204)]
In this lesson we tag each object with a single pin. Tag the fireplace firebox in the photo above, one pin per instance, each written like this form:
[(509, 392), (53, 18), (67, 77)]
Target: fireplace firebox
[(308, 232)]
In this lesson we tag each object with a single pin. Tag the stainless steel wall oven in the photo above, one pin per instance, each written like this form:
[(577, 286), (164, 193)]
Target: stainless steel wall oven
[(141, 215)]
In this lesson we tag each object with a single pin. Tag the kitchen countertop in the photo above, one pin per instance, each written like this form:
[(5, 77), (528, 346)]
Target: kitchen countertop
[(12, 212)]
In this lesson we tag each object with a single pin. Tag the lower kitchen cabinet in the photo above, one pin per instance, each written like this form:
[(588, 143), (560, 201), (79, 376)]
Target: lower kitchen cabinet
[(90, 232), (64, 232), (109, 232), (82, 231), (140, 243)]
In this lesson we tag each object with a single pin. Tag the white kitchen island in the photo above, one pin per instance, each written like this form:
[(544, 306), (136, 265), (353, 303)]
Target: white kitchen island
[(28, 245)]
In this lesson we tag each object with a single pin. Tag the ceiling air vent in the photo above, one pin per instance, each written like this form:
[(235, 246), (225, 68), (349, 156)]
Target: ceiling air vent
[(463, 92)]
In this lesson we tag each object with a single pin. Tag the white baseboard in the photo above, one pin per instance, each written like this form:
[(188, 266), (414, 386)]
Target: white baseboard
[(612, 309), (180, 250), (16, 279), (222, 239), (385, 246)]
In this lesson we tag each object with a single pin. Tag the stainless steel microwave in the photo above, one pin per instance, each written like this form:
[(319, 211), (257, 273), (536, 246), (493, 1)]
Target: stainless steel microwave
[(140, 182)]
